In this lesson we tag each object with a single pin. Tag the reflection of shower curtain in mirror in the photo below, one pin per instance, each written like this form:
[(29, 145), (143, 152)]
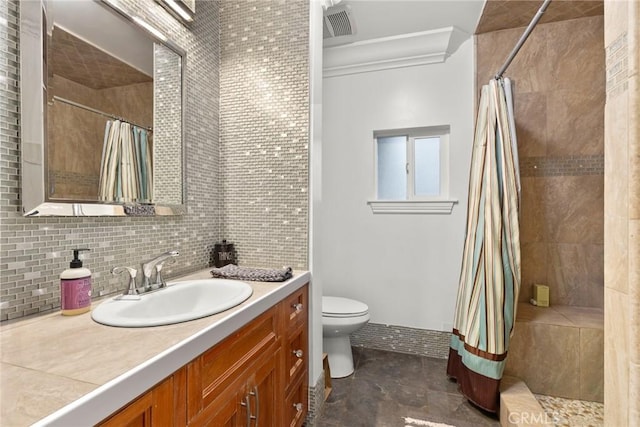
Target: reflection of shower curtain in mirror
[(126, 173)]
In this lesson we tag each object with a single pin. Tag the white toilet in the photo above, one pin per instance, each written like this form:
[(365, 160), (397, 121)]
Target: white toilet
[(340, 317)]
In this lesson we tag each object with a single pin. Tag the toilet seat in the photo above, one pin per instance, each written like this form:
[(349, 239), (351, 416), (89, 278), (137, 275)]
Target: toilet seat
[(339, 307)]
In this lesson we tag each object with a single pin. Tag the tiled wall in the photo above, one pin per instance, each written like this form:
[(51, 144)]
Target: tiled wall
[(401, 339), (571, 337), (316, 400), (264, 128), (622, 215), (33, 251), (559, 80), (167, 132)]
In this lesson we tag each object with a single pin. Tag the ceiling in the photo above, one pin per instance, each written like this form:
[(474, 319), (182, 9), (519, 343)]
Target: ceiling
[(99, 25), (382, 18), (503, 14), (81, 62)]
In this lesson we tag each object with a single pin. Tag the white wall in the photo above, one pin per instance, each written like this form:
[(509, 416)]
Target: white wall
[(405, 267), (315, 156)]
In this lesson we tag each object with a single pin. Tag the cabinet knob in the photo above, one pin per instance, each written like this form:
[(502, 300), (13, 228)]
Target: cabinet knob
[(297, 307), (298, 406), (298, 353)]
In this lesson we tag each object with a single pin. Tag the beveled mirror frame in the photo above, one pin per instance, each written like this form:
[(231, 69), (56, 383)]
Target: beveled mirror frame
[(33, 122)]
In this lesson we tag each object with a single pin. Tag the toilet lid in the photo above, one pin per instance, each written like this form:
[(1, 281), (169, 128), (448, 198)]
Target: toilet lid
[(343, 307)]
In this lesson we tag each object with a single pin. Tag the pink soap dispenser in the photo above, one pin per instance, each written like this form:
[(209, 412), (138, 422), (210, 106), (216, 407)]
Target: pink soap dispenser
[(75, 287)]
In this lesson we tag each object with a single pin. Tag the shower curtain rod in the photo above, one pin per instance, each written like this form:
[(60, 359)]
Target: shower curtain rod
[(523, 38), (93, 110)]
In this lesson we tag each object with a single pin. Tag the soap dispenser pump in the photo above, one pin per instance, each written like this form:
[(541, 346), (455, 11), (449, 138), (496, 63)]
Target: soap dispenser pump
[(75, 287)]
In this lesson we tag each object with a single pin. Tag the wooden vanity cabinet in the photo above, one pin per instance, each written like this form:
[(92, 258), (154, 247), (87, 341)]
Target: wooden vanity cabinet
[(255, 377), (250, 400), (296, 345), (159, 406), (235, 372)]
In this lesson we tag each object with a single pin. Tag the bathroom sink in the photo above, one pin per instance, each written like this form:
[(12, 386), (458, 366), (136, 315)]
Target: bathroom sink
[(180, 301)]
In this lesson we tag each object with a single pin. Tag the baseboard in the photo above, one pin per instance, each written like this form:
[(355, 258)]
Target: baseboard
[(423, 342), (316, 400)]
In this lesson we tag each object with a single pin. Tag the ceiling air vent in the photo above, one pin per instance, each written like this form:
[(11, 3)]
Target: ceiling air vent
[(338, 22)]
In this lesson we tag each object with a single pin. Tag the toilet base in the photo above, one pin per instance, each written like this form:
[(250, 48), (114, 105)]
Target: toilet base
[(340, 355)]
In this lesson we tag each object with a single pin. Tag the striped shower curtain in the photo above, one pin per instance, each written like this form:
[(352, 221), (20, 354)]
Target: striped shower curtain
[(490, 275), (126, 170)]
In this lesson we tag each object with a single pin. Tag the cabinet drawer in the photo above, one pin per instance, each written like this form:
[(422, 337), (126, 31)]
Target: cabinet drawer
[(296, 355), (217, 368), (296, 307), (296, 403)]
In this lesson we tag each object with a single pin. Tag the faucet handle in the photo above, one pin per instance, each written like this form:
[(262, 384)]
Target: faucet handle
[(159, 278), (132, 271), (132, 288)]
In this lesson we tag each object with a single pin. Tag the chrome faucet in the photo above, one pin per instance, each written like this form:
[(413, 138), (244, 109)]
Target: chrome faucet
[(155, 264), (133, 290)]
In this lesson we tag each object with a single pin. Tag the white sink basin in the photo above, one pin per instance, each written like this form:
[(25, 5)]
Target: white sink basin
[(178, 302)]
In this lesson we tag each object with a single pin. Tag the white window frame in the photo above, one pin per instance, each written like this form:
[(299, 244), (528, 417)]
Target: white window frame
[(439, 204)]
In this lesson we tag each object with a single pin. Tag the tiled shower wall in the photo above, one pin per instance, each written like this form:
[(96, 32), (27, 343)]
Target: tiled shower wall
[(559, 99), (264, 128), (33, 251), (622, 215)]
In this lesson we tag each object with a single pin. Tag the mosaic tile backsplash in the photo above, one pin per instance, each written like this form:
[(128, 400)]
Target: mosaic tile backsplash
[(34, 251), (264, 128), (168, 183), (246, 118)]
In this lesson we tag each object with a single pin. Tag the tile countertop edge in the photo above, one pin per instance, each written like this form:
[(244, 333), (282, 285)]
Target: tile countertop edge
[(100, 403)]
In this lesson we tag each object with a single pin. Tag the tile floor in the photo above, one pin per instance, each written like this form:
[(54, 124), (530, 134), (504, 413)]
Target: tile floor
[(572, 413), (394, 389)]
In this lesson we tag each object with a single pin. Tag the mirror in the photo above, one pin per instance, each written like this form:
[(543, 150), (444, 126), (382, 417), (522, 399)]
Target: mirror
[(102, 112)]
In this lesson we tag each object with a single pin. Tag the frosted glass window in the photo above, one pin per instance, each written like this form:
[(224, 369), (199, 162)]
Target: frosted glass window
[(427, 166), (392, 168), (412, 164)]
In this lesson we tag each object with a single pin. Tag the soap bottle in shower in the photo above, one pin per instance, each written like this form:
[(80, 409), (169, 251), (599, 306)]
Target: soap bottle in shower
[(75, 287)]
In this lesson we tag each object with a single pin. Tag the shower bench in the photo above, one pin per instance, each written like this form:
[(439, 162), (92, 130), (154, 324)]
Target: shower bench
[(559, 351)]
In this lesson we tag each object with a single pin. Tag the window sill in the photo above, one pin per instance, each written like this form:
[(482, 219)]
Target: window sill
[(443, 207)]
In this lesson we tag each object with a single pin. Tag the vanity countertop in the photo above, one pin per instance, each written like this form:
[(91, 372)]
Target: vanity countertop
[(72, 371)]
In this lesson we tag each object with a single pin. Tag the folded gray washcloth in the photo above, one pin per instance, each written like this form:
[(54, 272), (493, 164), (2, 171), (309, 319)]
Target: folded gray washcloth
[(231, 271)]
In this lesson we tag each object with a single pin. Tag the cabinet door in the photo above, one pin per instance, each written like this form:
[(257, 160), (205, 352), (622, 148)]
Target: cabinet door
[(222, 365), (154, 408), (249, 401), (226, 411), (263, 401)]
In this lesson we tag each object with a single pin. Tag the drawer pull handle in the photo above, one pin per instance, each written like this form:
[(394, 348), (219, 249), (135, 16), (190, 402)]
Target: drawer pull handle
[(298, 406), (297, 307), (254, 393), (247, 404), (298, 353)]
